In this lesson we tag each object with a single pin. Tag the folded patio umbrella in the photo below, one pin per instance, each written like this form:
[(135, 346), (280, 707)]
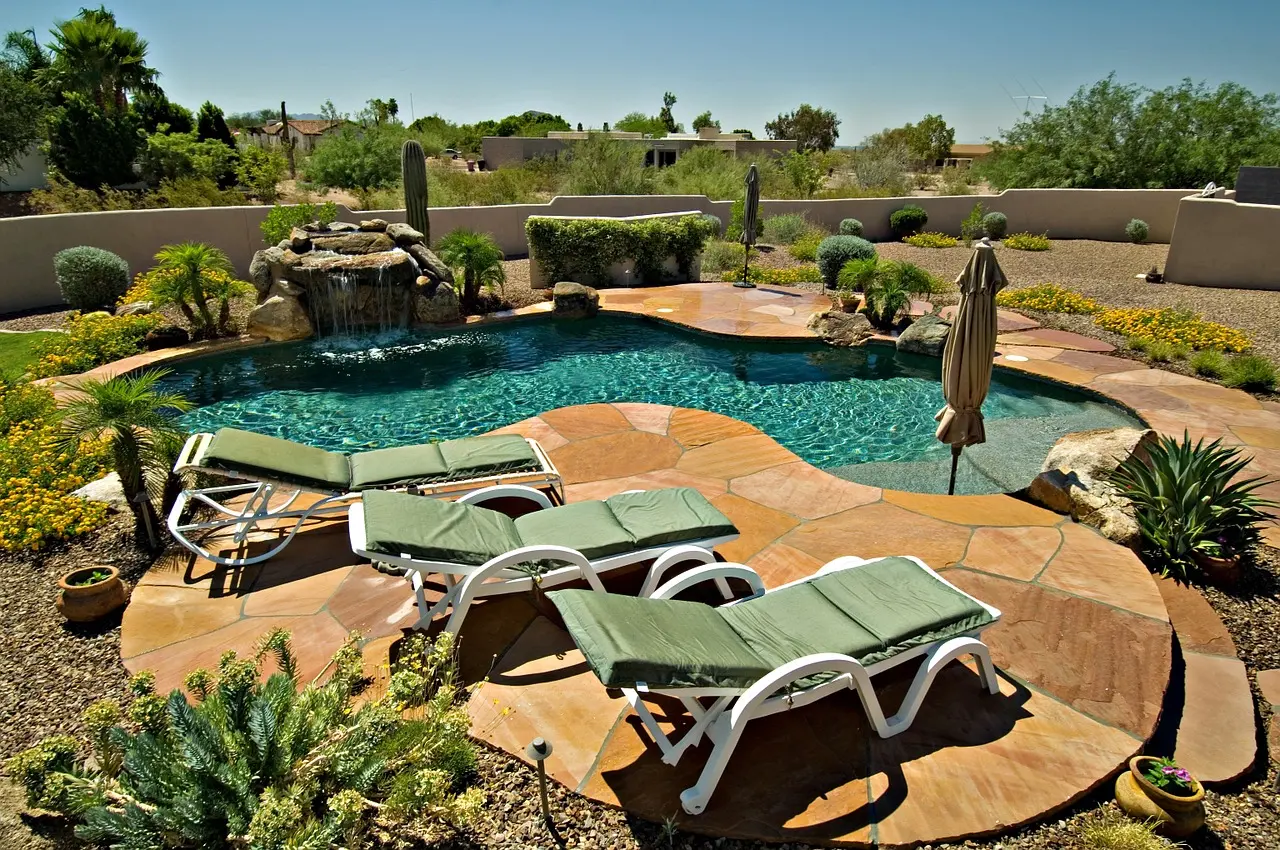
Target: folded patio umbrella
[(966, 360), (752, 201)]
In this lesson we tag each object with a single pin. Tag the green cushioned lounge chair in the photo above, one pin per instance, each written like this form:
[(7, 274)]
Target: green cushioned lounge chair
[(776, 650), (479, 552), (281, 471)]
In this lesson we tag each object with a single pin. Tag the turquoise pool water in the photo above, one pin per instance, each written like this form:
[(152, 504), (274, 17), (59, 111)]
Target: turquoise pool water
[(865, 414)]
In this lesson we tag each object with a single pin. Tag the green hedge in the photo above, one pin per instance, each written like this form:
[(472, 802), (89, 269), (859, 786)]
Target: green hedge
[(585, 248)]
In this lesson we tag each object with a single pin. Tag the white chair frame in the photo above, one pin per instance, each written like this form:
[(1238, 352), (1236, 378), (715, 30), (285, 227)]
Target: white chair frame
[(257, 513), (725, 717), (465, 583)]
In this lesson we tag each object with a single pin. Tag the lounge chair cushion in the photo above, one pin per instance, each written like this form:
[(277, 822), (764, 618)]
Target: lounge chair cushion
[(674, 515), (474, 457), (666, 642), (434, 530), (589, 527), (422, 464), (282, 460)]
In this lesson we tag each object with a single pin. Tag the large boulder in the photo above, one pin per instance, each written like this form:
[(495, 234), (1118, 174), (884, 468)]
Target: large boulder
[(136, 308), (314, 269), (260, 268), (574, 301), (429, 264), (926, 335), (280, 318), (107, 490), (404, 235), (1076, 480), (374, 225), (840, 328), (437, 302), (299, 240), (356, 242), (166, 336)]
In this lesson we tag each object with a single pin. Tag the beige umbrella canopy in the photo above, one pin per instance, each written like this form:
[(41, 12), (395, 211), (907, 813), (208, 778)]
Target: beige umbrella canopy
[(966, 360)]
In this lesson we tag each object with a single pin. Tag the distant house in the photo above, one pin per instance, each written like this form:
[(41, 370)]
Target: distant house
[(304, 133), (507, 150), (964, 156)]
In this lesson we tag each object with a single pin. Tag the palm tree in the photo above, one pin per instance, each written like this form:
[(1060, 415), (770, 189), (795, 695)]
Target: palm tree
[(23, 52), (479, 259), (92, 54), (190, 263), (137, 421)]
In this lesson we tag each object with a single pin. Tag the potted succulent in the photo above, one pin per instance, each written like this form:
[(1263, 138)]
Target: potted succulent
[(88, 593), (1161, 790)]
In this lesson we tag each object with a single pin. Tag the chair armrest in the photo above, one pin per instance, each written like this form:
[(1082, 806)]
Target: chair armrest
[(192, 451), (710, 572), (506, 491), (670, 558)]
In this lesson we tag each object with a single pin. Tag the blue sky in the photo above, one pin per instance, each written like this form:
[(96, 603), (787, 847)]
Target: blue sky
[(876, 64)]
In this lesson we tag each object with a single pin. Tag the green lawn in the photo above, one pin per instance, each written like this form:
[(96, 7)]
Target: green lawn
[(16, 355)]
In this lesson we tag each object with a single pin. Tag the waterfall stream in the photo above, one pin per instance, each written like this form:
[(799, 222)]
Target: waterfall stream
[(339, 307)]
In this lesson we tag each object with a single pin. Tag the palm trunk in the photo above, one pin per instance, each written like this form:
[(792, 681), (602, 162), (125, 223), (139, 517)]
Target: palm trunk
[(127, 455), (470, 289), (224, 317), (206, 319), (189, 315)]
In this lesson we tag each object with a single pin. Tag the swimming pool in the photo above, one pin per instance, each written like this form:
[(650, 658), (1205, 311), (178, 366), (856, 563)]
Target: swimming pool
[(862, 413)]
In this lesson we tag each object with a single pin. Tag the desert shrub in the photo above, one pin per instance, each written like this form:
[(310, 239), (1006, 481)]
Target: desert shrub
[(703, 171), (882, 171), (1047, 297), (604, 166), (90, 341), (995, 225), (1160, 351), (274, 764), (807, 273), (971, 225), (190, 192), (1192, 499), (784, 229), (1250, 372), (908, 220), (90, 278), (1028, 242), (260, 170), (719, 256), (955, 181), (850, 227), (835, 251), (283, 219), (1136, 230), (358, 159), (586, 248), (805, 248), (931, 240), (90, 145), (171, 156), (190, 275), (737, 215), (1177, 327), (714, 221), (1209, 362), (856, 275)]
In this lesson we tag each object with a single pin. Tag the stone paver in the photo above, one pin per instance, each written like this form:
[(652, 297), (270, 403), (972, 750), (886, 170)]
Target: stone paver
[(1055, 339)]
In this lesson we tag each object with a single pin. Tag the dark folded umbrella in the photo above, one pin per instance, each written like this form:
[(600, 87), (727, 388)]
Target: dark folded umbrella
[(752, 202)]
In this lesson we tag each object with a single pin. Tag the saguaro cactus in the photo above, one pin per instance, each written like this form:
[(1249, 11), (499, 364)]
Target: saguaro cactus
[(413, 168)]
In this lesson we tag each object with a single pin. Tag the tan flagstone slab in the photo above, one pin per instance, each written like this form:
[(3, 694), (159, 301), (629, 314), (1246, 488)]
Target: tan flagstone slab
[(615, 455), (1031, 352), (758, 526), (162, 615), (374, 603), (804, 490), (1269, 684), (1194, 424), (779, 564), (1215, 395), (1099, 364), (536, 429), (1150, 378), (1057, 339), (974, 510), (1018, 553), (735, 456), (1050, 369), (729, 327), (1144, 400), (1263, 438), (1006, 320), (693, 428), (657, 480), (781, 331), (653, 418), (881, 530), (1112, 665), (774, 309), (588, 420), (1217, 738), (1091, 566), (1197, 625)]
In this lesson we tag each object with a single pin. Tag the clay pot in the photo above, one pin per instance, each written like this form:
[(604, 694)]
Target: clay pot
[(1176, 815), (848, 302), (1220, 572), (84, 603)]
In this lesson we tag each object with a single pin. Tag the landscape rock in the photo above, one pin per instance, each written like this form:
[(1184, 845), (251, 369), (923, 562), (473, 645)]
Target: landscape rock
[(260, 266), (280, 318), (373, 225), (331, 227), (404, 235), (352, 243), (1076, 480), (284, 244), (429, 264), (286, 287), (299, 240), (840, 328), (107, 490), (574, 301), (136, 308), (437, 303), (166, 336), (97, 314), (926, 335)]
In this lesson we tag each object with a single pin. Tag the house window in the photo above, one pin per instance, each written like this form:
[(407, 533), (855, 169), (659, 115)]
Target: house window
[(666, 158)]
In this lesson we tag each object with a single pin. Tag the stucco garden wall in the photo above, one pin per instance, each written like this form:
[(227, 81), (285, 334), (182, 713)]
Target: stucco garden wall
[(27, 244), (1223, 243)]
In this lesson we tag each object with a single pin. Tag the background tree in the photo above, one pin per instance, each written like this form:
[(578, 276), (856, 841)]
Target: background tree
[(90, 145), (705, 120), (812, 128), (664, 115), (931, 139), (579, 126), (154, 109), (384, 110), (258, 118), (210, 124), (361, 161), (94, 56), (604, 166), (638, 122), (22, 111), (745, 133), (25, 55)]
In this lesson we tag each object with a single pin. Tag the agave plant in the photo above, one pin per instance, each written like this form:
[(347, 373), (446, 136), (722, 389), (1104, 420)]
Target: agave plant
[(479, 259), (1191, 498)]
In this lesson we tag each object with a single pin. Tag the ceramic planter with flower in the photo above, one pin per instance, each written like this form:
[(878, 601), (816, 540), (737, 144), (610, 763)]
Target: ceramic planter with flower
[(1219, 560), (86, 594), (1159, 790)]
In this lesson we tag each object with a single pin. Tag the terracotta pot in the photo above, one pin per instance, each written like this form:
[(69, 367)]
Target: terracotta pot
[(1176, 815), (1222, 572), (849, 302), (84, 603)]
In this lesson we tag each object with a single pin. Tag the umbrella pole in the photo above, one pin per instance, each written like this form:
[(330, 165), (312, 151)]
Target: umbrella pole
[(746, 260), (955, 460)]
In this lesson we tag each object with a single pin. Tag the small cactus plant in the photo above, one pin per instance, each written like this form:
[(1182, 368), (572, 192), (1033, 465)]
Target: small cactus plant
[(413, 168)]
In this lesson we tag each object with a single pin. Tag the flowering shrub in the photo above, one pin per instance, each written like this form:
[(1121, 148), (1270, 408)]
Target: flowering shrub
[(805, 247), (90, 341), (1049, 298), (807, 273), (1028, 242), (1179, 328), (931, 240)]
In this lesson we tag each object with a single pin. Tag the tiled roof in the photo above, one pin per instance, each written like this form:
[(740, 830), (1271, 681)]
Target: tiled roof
[(306, 128), (970, 150)]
